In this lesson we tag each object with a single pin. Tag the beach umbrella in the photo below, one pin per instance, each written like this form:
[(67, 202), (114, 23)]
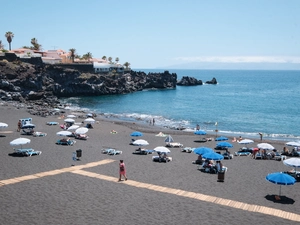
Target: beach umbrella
[(64, 133), (246, 141), (200, 132), (20, 141), (140, 142), (265, 146), (81, 130), (73, 127), (224, 144), (221, 138), (293, 162), (136, 134), (293, 143), (202, 150), (3, 125), (89, 120), (213, 156), (69, 120), (162, 149), (169, 139), (281, 179), (71, 116), (161, 134), (89, 115)]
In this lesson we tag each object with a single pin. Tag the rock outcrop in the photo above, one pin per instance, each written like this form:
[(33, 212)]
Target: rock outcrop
[(213, 81), (189, 81)]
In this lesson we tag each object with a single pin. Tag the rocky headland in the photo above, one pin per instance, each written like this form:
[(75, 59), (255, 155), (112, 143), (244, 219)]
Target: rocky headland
[(38, 84)]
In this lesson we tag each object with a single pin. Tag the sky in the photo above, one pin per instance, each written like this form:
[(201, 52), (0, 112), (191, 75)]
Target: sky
[(189, 34)]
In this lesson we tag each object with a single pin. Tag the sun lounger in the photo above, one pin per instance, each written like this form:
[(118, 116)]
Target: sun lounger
[(227, 155), (187, 149), (65, 142), (114, 152), (27, 132), (156, 159), (81, 136), (107, 150), (52, 123), (258, 156), (27, 152), (39, 134), (239, 153), (174, 145), (142, 151)]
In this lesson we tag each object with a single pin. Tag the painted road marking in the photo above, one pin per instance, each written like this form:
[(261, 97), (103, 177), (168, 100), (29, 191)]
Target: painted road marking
[(178, 192)]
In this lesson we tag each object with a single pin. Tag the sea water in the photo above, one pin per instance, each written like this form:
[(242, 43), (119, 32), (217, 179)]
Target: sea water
[(243, 103)]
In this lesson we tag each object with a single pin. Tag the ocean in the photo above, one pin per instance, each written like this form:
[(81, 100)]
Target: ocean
[(243, 103)]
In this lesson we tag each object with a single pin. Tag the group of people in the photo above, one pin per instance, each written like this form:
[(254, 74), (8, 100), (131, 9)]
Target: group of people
[(209, 166)]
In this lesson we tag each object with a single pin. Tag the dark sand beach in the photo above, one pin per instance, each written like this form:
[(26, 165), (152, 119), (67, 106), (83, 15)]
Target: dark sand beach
[(53, 189)]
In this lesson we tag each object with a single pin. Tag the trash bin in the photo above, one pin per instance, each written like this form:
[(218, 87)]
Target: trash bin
[(78, 153), (221, 176)]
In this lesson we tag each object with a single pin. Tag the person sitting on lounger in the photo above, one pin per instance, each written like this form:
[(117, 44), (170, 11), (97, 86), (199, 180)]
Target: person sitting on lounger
[(165, 157), (199, 160)]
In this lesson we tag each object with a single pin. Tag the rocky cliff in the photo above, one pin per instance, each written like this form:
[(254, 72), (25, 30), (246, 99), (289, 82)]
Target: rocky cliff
[(23, 82)]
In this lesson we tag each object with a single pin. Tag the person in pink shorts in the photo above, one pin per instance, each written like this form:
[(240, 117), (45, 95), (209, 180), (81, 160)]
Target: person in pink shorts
[(122, 170)]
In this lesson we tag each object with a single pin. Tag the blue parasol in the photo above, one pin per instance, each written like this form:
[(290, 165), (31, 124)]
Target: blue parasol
[(222, 138), (281, 179), (224, 144), (136, 134), (202, 150), (213, 156), (200, 132)]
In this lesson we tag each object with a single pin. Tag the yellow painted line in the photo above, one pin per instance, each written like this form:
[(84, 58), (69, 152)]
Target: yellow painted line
[(198, 196), (53, 172)]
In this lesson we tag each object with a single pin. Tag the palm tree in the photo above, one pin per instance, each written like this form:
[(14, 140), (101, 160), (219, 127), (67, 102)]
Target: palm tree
[(126, 64), (9, 36), (110, 59), (36, 45), (89, 56), (104, 57), (72, 51), (117, 59)]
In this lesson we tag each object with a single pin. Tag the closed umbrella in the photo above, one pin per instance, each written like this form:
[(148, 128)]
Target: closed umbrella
[(281, 179)]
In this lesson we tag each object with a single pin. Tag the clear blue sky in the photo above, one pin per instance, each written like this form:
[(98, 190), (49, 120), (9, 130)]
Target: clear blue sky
[(160, 33)]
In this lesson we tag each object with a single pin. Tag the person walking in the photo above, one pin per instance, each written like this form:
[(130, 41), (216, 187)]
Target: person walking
[(19, 126), (153, 121), (122, 170)]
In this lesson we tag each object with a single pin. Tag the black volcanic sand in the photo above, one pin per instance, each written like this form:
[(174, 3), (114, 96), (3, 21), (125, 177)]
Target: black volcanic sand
[(70, 198)]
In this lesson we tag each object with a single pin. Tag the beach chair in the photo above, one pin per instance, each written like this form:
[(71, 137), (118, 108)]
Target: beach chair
[(187, 149), (65, 142), (258, 156), (27, 152), (114, 152), (107, 150)]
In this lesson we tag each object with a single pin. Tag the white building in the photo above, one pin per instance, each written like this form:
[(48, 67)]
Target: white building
[(107, 67)]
